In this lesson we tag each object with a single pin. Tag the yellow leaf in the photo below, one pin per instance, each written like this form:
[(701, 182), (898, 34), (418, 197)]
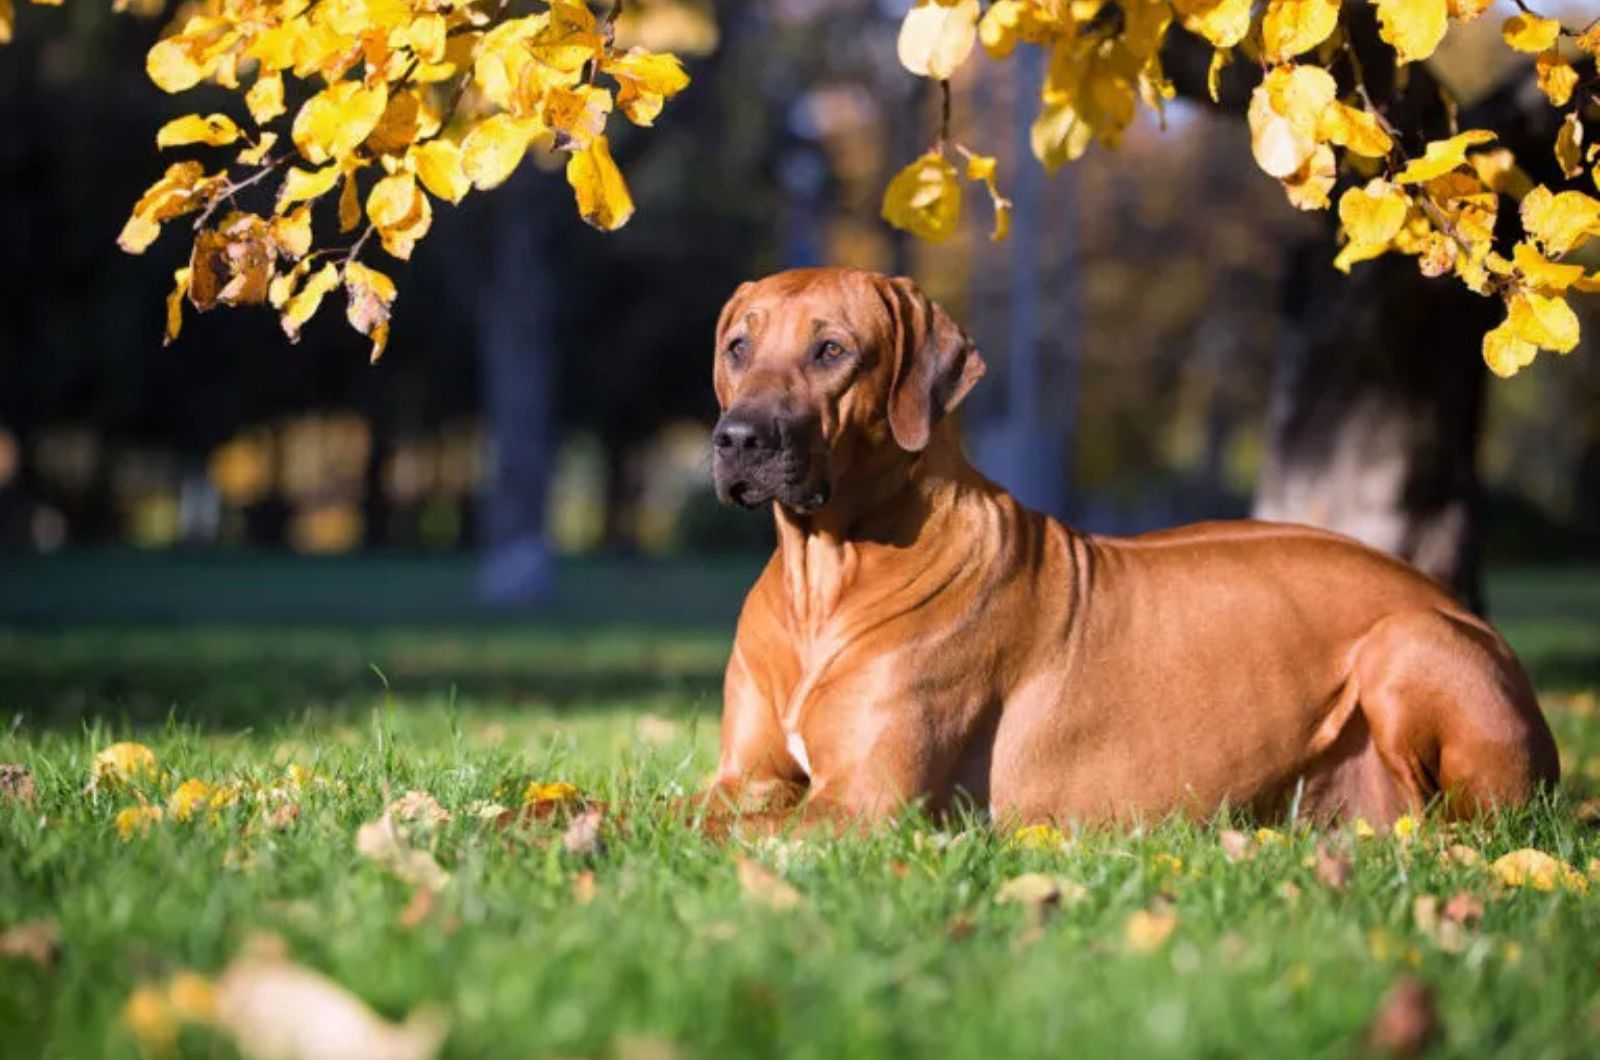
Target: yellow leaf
[(303, 304), (1413, 27), (603, 199), (1285, 111), (553, 791), (1355, 130), (491, 152), (1530, 33), (257, 155), (136, 820), (1589, 40), (180, 288), (190, 797), (1556, 77), (122, 763), (214, 130), (936, 37), (371, 297), (1441, 156), (400, 212), (1544, 320), (291, 233), (1569, 147), (1293, 27), (1561, 222), (349, 200), (8, 17), (438, 166), (301, 186), (332, 123), (1467, 10), (982, 168), (1498, 169), (174, 66), (183, 188), (265, 98), (1534, 868), (398, 127), (1372, 217), (1226, 22), (645, 80), (1308, 187), (924, 199), (1039, 837), (1543, 274), (1146, 931), (1219, 61), (1004, 24)]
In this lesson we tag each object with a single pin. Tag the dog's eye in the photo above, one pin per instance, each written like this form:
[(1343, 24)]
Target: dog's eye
[(737, 351), (828, 352)]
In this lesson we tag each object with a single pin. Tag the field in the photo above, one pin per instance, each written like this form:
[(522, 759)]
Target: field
[(1176, 940)]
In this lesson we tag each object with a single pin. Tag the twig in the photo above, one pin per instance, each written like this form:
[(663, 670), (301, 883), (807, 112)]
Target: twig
[(235, 187), (944, 117), (355, 248)]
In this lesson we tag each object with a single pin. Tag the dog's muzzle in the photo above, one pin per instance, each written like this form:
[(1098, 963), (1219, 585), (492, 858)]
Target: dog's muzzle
[(759, 458)]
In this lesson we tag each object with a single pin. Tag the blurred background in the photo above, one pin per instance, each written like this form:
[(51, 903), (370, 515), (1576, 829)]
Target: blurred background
[(1167, 342)]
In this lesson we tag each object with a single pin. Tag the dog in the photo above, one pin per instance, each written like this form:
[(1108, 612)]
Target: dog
[(920, 637)]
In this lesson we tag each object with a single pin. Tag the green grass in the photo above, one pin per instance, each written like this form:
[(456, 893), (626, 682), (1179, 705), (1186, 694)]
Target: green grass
[(897, 948)]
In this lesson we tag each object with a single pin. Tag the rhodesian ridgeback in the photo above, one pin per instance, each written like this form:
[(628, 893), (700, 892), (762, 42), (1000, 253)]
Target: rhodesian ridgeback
[(921, 637)]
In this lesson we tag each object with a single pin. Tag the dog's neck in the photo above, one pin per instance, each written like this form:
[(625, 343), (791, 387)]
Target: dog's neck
[(887, 513)]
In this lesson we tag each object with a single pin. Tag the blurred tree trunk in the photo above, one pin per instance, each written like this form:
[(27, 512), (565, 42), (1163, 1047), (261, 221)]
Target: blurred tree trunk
[(1376, 410), (514, 338)]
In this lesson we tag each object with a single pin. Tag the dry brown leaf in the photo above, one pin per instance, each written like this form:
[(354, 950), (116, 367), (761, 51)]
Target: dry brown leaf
[(382, 842), (1464, 908), (419, 908), (764, 887), (35, 941), (1332, 869), (16, 784), (283, 817), (582, 836), (1461, 854), (276, 1010), (1588, 812), (420, 807), (1407, 1021)]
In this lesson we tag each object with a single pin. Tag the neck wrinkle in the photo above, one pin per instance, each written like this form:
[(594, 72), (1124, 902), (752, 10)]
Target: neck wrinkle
[(821, 554)]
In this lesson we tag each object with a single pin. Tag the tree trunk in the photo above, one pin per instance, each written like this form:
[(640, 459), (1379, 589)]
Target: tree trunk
[(514, 338), (1376, 410)]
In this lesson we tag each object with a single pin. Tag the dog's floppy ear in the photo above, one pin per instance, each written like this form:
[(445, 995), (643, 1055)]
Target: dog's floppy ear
[(935, 364)]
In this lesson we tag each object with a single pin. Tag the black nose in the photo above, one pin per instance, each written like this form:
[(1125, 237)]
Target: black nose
[(735, 433)]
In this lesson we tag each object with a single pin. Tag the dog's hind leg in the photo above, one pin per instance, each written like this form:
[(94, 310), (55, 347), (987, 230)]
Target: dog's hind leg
[(1452, 713)]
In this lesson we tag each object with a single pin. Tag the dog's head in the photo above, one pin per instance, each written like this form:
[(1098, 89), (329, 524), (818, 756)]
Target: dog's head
[(819, 371)]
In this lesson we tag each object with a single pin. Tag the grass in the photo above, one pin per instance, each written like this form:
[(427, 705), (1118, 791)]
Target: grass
[(897, 946)]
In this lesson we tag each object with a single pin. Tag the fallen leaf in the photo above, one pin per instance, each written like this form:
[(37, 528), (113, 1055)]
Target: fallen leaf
[(122, 763), (283, 817), (584, 888), (1461, 854), (764, 887), (582, 836), (419, 908), (35, 941), (1236, 845), (419, 806), (1039, 837), (1332, 869), (382, 842), (276, 1010), (1040, 894), (1464, 908), (1534, 868), (1147, 930), (1407, 1020), (16, 784), (1289, 891), (136, 820), (1588, 812)]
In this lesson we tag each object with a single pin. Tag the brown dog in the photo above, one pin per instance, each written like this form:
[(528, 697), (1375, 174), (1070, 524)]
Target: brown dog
[(920, 636)]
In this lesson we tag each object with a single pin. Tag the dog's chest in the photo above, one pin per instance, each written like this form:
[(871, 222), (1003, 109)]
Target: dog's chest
[(796, 746)]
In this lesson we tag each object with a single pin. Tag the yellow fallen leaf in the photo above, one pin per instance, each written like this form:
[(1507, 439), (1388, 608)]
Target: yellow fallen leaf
[(190, 797), (1536, 869), (1146, 930), (122, 763), (148, 1017), (1040, 893), (383, 843), (554, 791), (1039, 837), (136, 820)]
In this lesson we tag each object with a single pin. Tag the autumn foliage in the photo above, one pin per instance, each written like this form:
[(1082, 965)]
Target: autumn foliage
[(393, 103), (1314, 128)]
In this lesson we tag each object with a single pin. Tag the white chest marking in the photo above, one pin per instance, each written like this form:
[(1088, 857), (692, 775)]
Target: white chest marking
[(797, 751)]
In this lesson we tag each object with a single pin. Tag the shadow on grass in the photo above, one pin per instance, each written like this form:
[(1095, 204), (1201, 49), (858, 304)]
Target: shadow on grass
[(234, 679)]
